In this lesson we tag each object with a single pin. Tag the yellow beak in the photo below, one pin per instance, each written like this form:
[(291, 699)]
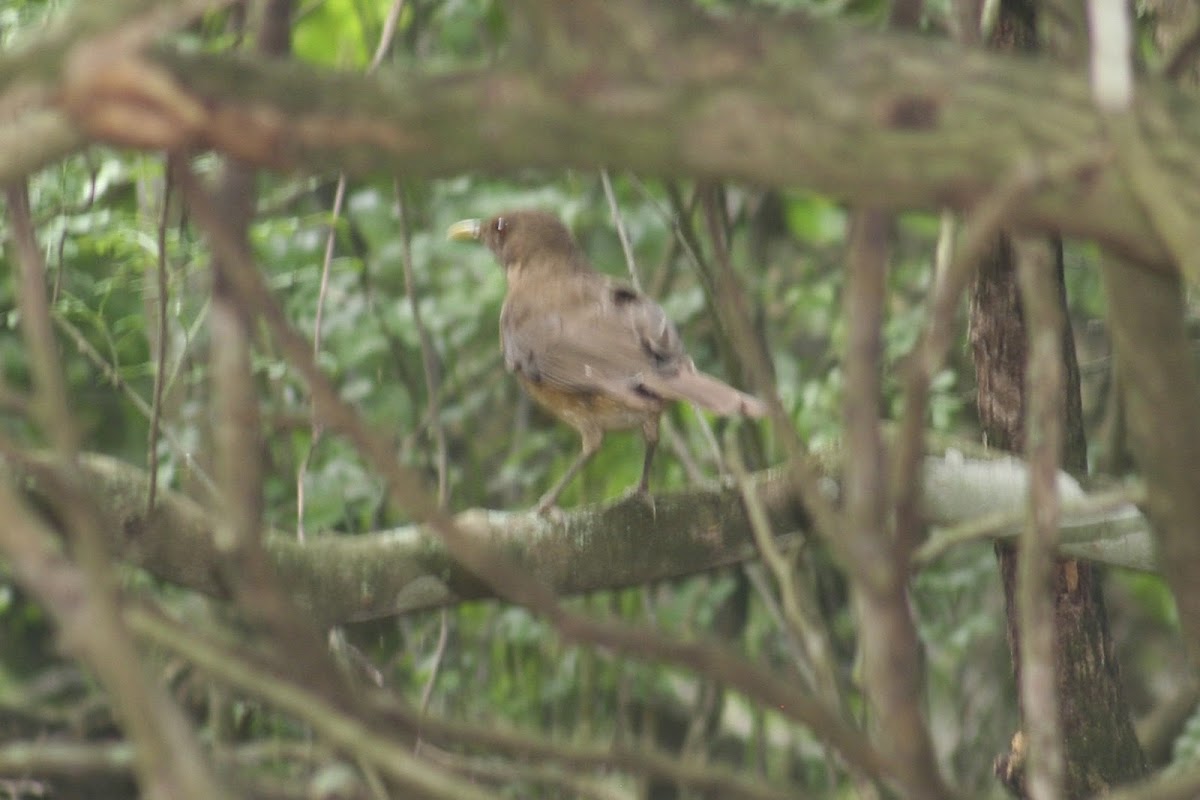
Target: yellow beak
[(465, 230)]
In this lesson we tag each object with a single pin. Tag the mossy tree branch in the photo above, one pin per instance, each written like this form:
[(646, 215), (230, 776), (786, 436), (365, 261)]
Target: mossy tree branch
[(344, 578), (889, 120)]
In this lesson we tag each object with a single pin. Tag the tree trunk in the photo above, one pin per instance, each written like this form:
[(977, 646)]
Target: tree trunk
[(1101, 747)]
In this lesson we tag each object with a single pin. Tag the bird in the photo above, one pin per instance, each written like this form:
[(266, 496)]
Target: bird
[(591, 350)]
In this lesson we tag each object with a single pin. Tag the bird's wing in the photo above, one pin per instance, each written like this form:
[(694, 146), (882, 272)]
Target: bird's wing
[(602, 336)]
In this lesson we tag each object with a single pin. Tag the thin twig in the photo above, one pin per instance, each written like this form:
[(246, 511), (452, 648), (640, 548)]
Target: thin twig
[(438, 654), (160, 354), (803, 621), (335, 214), (803, 470), (931, 349), (1038, 543), (191, 334), (425, 341), (670, 436), (50, 388), (622, 233), (47, 757), (386, 35), (715, 286), (679, 448), (339, 196), (315, 430), (642, 758), (114, 377), (766, 591)]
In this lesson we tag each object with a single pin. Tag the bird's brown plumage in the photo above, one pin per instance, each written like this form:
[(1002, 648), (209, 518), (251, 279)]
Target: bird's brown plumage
[(595, 352)]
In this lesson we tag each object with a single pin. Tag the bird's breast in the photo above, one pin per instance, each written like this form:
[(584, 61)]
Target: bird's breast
[(583, 410)]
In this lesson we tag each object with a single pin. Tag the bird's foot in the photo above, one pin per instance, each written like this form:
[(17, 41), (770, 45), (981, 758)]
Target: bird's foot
[(641, 494), (546, 509)]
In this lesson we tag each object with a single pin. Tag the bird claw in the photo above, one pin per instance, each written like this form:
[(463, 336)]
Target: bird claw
[(640, 493), (549, 512)]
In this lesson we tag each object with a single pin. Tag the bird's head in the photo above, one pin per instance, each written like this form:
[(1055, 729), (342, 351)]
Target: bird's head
[(521, 238)]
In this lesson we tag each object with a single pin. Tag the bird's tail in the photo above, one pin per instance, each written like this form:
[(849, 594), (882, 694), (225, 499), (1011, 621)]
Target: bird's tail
[(712, 394)]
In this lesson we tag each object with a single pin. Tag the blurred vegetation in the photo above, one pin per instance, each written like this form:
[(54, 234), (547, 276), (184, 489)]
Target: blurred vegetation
[(101, 224)]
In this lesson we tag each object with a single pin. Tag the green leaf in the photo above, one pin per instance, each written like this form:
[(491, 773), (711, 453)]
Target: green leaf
[(815, 219), (331, 34)]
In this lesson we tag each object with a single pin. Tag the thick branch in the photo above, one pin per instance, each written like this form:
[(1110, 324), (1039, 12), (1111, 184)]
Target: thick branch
[(32, 135), (1161, 391), (342, 578), (892, 121)]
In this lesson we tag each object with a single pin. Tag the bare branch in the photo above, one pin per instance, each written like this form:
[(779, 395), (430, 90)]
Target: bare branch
[(50, 390), (314, 430), (158, 337), (1036, 566), (891, 651)]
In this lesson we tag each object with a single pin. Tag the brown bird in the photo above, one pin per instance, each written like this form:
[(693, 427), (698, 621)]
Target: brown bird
[(594, 352)]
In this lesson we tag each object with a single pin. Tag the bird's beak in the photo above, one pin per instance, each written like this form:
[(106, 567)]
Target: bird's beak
[(465, 230)]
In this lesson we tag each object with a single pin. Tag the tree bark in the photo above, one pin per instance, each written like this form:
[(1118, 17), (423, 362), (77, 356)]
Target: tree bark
[(1100, 744), (1102, 750), (384, 573), (893, 121)]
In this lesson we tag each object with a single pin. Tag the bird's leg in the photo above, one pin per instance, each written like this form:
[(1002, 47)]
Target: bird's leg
[(650, 434), (592, 437), (642, 490)]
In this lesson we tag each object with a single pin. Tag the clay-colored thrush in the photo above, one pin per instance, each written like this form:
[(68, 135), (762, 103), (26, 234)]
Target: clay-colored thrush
[(594, 352)]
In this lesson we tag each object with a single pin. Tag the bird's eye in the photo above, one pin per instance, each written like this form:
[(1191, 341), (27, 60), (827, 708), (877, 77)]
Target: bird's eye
[(501, 225)]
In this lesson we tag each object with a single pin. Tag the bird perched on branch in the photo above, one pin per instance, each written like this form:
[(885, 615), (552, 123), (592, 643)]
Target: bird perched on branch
[(596, 353)]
